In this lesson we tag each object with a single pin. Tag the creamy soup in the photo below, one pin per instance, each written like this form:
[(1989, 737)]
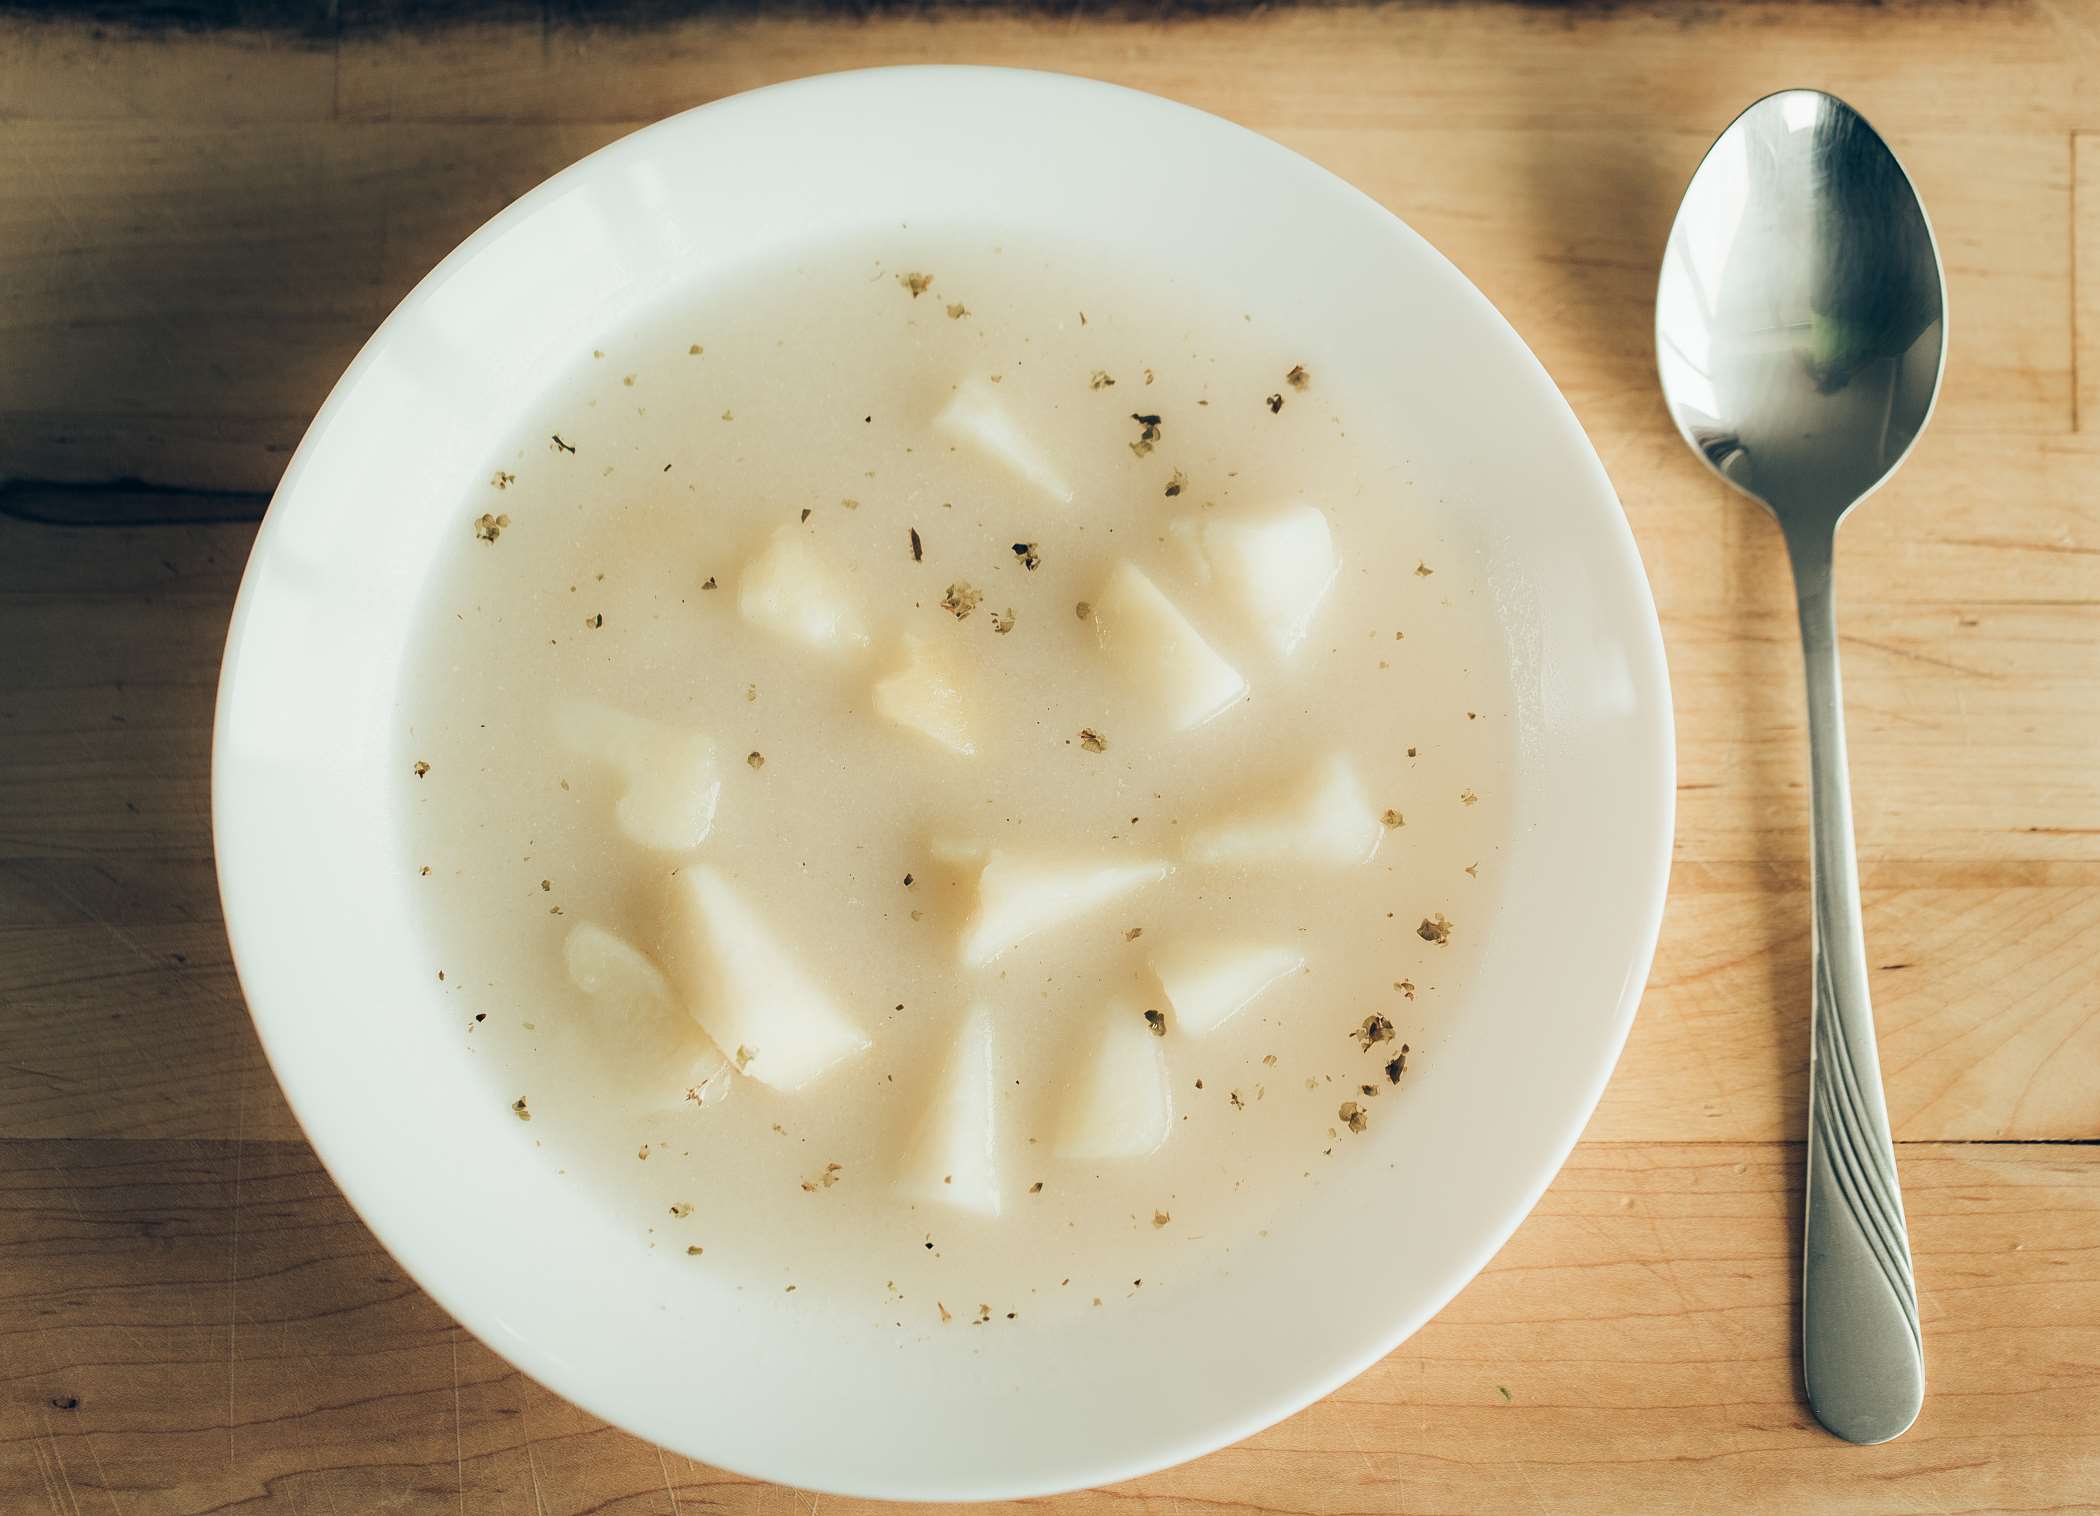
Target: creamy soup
[(948, 777)]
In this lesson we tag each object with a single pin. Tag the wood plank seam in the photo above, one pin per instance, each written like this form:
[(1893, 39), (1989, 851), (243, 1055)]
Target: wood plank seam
[(59, 502)]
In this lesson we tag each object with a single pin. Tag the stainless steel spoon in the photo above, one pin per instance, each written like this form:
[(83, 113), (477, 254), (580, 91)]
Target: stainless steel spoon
[(1800, 332)]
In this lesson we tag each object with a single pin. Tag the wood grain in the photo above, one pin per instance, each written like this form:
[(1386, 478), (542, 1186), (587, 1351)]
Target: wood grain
[(2085, 303), (163, 1359), (200, 227)]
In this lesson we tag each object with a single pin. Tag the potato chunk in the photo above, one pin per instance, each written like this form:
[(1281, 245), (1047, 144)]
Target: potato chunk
[(1156, 652), (953, 1157), (669, 777), (749, 990)]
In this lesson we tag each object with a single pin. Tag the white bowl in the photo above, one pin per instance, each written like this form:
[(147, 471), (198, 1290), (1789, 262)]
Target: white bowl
[(305, 803)]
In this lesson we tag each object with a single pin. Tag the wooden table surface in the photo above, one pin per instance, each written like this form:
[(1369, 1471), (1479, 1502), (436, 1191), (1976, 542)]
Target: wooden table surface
[(199, 226)]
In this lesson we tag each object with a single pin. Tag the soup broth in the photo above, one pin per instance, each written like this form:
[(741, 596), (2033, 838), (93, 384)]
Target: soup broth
[(949, 776)]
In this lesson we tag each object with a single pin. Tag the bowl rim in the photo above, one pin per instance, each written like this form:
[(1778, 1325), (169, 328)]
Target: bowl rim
[(1642, 917)]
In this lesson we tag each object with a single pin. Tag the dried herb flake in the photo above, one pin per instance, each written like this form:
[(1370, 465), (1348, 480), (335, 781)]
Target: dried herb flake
[(1148, 433)]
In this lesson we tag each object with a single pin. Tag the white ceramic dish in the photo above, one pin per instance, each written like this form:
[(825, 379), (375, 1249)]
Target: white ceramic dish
[(319, 911)]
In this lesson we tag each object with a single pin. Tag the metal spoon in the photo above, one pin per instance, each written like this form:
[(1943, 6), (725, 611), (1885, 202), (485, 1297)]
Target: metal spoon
[(1800, 332)]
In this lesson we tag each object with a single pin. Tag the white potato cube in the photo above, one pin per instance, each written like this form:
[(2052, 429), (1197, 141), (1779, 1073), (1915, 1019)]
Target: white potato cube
[(748, 990), (1117, 1102), (1322, 817), (1276, 568), (926, 696), (977, 418), (1021, 894), (953, 1158), (635, 1014), (1158, 654), (670, 780), (1210, 982), (791, 592)]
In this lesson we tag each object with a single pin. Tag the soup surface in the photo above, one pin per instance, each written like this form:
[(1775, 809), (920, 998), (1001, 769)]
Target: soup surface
[(951, 777)]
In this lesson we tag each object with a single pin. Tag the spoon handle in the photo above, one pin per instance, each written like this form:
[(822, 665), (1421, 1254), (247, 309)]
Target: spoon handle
[(1862, 1357)]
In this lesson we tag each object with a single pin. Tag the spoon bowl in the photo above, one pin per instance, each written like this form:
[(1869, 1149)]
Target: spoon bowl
[(1800, 332), (1800, 322)]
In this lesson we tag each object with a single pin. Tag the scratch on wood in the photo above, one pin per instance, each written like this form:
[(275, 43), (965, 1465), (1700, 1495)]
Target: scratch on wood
[(459, 1443), (72, 1499), (101, 1474), (1538, 1501), (46, 1447), (233, 1260), (665, 1469), (532, 1461)]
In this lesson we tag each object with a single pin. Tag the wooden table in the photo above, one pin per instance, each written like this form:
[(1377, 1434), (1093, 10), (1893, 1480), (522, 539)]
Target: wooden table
[(198, 227)]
